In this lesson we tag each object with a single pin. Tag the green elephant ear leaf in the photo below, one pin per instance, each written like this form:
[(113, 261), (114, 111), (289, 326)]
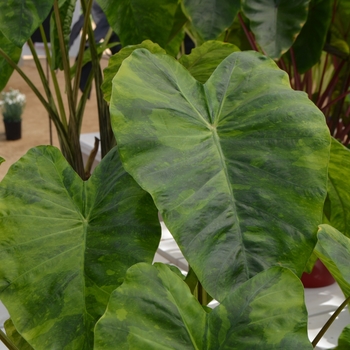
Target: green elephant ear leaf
[(337, 205), (210, 18), (203, 60), (15, 337), (13, 52), (19, 19), (229, 164), (339, 37), (275, 24), (239, 322), (137, 20), (333, 249), (2, 160), (344, 339), (65, 244), (310, 42), (116, 60)]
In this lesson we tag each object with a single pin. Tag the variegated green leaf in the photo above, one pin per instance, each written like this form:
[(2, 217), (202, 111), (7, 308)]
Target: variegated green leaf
[(15, 337), (337, 205), (203, 60), (116, 60), (333, 249), (20, 18), (344, 339), (275, 24), (237, 166), (66, 244), (154, 309), (6, 69), (210, 18)]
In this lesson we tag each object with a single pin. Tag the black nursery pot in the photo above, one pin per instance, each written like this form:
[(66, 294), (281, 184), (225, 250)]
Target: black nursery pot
[(13, 130)]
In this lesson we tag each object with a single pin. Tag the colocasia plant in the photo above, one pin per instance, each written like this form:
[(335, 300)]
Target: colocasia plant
[(238, 168)]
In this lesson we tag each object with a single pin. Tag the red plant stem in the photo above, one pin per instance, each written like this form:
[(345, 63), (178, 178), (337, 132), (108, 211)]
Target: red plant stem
[(297, 82), (347, 112), (335, 100), (248, 34)]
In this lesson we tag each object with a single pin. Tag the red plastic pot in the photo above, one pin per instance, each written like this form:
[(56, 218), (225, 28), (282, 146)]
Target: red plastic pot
[(319, 277)]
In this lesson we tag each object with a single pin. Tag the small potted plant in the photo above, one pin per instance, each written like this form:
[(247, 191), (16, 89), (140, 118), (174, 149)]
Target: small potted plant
[(12, 105)]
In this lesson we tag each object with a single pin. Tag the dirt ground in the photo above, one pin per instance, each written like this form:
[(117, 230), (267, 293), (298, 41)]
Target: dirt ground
[(35, 122)]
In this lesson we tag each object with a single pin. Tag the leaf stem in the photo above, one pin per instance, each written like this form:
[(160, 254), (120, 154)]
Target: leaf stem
[(65, 60), (28, 81), (330, 321), (79, 64), (5, 339), (42, 76), (54, 80), (248, 34)]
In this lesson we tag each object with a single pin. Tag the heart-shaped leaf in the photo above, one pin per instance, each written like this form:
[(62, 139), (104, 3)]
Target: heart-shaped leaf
[(116, 60), (310, 42), (237, 166), (210, 18), (19, 19), (203, 60), (15, 337), (154, 309), (65, 244), (275, 24), (333, 249), (137, 20), (339, 36), (337, 205), (344, 339)]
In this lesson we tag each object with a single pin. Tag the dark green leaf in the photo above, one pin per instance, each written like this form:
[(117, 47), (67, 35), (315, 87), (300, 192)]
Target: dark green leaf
[(65, 244), (138, 20), (20, 18), (116, 60), (203, 60), (333, 249), (177, 33), (344, 339), (337, 206), (267, 310), (15, 337), (310, 42), (237, 165), (210, 18), (339, 39), (275, 24), (14, 53), (2, 160)]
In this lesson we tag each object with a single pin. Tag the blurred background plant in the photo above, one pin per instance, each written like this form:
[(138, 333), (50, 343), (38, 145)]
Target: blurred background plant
[(12, 105)]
